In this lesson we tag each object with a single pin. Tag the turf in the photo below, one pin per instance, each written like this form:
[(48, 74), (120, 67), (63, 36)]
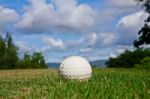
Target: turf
[(46, 84)]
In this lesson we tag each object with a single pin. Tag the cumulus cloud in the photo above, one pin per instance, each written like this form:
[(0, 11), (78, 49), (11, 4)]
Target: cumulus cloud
[(107, 38), (54, 43), (60, 16), (112, 55), (74, 43), (88, 40), (132, 22), (129, 25), (48, 44), (70, 16), (7, 17), (91, 39), (23, 46), (122, 3), (119, 7), (85, 50), (95, 40)]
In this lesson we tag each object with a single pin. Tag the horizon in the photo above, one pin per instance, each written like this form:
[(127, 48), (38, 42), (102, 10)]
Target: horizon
[(93, 29)]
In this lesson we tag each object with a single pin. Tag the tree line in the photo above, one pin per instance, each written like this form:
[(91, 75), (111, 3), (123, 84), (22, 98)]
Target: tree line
[(9, 57), (131, 59)]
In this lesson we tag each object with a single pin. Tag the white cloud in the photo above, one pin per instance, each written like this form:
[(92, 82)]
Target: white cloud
[(85, 50), (88, 40), (91, 39), (112, 55), (122, 3), (106, 39), (23, 46), (132, 22), (7, 16), (74, 43), (120, 50), (60, 15), (54, 43), (43, 49), (129, 26), (95, 40)]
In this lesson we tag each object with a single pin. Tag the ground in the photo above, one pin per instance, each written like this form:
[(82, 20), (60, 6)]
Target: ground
[(47, 84)]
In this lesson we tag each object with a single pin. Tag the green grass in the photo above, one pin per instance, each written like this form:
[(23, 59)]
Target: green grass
[(46, 84)]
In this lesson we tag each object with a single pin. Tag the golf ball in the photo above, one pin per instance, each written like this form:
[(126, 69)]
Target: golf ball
[(75, 67)]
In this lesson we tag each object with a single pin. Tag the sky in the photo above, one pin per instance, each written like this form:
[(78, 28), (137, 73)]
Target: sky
[(93, 29)]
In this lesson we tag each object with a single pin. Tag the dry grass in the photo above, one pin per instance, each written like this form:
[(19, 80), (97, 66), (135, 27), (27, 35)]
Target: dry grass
[(28, 73)]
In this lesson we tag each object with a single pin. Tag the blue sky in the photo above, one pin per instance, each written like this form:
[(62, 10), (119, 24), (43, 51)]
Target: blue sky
[(94, 29)]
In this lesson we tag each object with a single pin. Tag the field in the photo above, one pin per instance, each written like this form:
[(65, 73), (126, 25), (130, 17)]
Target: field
[(46, 84)]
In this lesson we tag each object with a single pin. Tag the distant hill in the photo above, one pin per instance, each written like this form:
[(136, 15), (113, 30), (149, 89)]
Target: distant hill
[(97, 63), (53, 65)]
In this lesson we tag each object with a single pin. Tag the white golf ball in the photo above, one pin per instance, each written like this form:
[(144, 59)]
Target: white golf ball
[(75, 67)]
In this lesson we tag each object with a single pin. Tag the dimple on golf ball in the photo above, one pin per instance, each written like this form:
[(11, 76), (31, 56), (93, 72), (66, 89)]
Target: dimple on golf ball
[(75, 67)]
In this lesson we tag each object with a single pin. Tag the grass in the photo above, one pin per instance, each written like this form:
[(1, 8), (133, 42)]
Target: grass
[(46, 84)]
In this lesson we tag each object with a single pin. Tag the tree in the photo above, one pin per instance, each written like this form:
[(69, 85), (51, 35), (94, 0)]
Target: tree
[(144, 33), (11, 56), (27, 60), (24, 63), (35, 61), (8, 52), (144, 63), (128, 59), (2, 51), (38, 60)]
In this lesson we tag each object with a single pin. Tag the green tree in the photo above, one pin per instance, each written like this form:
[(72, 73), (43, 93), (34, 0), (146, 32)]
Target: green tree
[(35, 61), (2, 52), (144, 33), (24, 63), (128, 59), (145, 63), (11, 56), (38, 60), (27, 60)]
